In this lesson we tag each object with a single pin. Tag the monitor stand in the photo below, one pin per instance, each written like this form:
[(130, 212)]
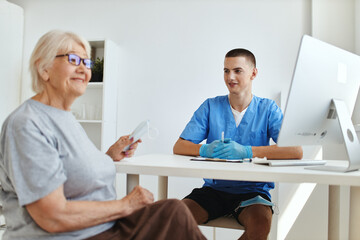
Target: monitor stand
[(351, 140)]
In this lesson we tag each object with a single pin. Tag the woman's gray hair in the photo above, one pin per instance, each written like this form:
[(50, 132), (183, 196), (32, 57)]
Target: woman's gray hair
[(47, 48)]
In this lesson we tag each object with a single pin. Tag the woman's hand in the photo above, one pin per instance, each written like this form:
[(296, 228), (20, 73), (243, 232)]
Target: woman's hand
[(138, 198), (116, 150)]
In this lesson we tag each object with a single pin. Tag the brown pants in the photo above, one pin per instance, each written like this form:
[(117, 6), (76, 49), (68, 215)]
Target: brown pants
[(165, 219)]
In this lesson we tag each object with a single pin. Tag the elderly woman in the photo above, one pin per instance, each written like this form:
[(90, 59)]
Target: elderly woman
[(55, 183)]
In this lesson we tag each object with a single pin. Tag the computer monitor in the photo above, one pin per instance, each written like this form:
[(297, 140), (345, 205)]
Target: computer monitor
[(322, 96)]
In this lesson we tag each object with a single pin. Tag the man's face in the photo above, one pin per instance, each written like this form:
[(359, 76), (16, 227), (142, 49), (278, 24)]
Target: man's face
[(238, 74)]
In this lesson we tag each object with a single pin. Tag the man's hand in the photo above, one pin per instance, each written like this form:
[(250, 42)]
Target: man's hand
[(207, 150), (232, 150)]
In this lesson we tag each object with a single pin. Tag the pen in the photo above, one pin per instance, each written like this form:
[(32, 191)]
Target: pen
[(222, 136)]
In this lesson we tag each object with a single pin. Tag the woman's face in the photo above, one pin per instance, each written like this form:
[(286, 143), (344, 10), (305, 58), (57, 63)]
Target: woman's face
[(64, 79)]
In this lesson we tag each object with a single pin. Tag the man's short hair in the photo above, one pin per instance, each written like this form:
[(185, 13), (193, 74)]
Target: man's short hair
[(241, 52)]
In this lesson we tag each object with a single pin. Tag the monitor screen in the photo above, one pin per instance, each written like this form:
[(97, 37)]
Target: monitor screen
[(323, 73)]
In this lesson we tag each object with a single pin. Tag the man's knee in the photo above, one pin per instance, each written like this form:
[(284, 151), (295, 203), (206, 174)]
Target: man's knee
[(257, 221), (262, 223), (258, 229)]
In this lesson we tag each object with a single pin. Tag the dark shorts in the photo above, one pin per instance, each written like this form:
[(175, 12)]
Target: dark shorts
[(219, 203)]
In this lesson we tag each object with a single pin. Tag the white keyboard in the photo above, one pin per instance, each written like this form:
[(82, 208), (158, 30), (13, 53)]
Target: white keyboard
[(289, 162)]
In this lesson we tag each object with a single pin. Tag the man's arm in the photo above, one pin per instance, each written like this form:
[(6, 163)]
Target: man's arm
[(275, 152), (184, 147)]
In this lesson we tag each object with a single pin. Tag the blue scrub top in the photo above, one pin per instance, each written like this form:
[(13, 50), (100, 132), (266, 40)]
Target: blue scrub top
[(262, 121)]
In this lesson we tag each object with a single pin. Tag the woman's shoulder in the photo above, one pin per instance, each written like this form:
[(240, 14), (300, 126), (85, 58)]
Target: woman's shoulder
[(23, 116)]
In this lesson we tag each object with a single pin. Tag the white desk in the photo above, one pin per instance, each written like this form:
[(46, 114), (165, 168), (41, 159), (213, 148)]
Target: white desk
[(164, 165)]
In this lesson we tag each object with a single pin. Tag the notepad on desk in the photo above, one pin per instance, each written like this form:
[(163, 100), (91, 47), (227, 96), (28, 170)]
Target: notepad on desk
[(220, 160), (288, 162)]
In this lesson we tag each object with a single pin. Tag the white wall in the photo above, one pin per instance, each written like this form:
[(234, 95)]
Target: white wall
[(356, 113), (333, 22), (357, 26), (11, 43)]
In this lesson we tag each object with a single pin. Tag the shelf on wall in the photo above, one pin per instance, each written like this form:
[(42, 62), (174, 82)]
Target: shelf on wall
[(90, 121), (96, 109), (95, 85), (97, 43)]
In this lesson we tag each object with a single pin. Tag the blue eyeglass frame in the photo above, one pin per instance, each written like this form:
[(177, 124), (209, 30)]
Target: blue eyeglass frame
[(88, 63)]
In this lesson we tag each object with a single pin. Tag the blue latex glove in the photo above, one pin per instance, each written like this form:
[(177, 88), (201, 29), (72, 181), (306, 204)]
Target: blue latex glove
[(232, 150), (207, 150)]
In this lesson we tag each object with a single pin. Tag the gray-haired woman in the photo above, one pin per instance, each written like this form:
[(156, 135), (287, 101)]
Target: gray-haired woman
[(55, 183)]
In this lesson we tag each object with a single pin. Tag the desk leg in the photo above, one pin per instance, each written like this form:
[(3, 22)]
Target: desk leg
[(132, 180), (162, 187), (339, 212), (334, 203), (354, 212)]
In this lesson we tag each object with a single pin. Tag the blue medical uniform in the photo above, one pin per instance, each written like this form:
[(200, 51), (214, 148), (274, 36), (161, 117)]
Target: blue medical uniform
[(262, 121)]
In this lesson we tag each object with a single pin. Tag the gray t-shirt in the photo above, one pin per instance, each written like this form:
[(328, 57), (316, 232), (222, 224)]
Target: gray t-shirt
[(41, 148)]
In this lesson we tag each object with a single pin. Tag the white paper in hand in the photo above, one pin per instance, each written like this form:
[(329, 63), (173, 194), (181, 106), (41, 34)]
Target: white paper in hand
[(139, 131)]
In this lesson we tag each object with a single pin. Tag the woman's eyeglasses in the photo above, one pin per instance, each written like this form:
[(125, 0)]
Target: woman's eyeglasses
[(75, 60)]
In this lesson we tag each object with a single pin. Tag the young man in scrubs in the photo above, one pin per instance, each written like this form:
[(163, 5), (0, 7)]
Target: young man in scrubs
[(247, 122)]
